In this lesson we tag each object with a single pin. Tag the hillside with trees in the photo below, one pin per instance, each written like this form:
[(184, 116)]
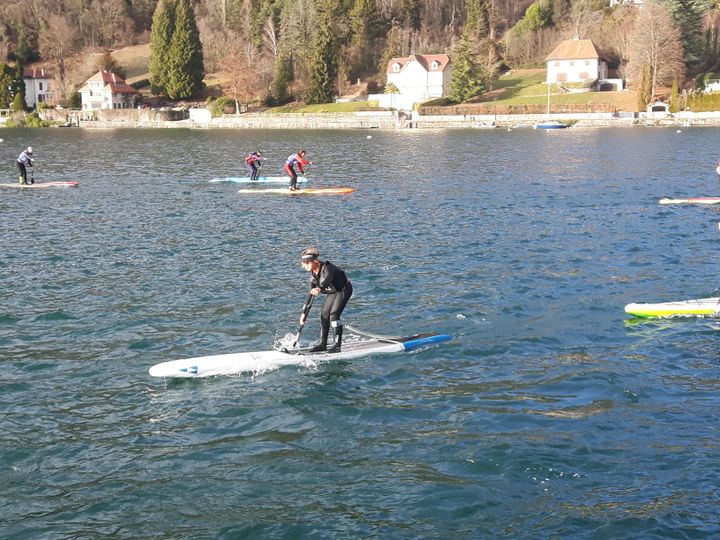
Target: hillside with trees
[(275, 51)]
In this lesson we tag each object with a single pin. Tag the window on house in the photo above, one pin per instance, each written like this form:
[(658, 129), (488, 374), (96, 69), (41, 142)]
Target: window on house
[(557, 63), (572, 62), (40, 86), (587, 62), (434, 65), (396, 67)]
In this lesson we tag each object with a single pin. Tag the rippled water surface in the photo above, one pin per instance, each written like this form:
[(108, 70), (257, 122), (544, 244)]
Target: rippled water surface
[(550, 415)]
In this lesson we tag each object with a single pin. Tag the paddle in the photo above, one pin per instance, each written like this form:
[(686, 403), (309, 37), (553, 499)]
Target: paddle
[(305, 311)]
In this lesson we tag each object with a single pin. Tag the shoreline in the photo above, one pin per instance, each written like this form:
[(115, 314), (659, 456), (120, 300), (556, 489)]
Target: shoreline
[(383, 120)]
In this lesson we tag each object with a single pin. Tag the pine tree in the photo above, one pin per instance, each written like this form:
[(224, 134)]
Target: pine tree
[(466, 79), (688, 16), (411, 14), (18, 104), (161, 33), (18, 86), (324, 61), (6, 82), (365, 26), (185, 57), (282, 75), (393, 47), (644, 94), (478, 19), (107, 63)]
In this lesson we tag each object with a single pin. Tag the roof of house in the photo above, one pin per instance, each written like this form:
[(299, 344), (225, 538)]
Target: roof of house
[(36, 73), (111, 81), (425, 60), (573, 49)]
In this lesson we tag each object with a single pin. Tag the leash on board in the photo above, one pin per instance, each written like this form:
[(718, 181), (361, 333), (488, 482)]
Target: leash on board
[(370, 334)]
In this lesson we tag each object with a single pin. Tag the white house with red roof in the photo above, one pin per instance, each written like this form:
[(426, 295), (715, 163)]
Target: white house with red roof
[(578, 61), (105, 90), (418, 78), (37, 86), (575, 60)]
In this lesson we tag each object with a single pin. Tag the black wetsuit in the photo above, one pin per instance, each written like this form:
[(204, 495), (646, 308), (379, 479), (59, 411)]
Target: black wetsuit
[(332, 281)]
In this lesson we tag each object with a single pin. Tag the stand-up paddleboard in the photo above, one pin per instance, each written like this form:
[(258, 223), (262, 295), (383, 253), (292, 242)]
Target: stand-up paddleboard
[(700, 307), (41, 185), (304, 191), (260, 180), (692, 200), (231, 364)]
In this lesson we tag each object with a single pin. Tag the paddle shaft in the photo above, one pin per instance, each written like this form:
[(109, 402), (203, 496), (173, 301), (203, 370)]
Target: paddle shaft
[(305, 311)]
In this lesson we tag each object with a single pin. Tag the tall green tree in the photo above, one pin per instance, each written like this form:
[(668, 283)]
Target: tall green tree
[(467, 76), (411, 14), (478, 18), (185, 56), (18, 104), (393, 47), (365, 28), (688, 16), (106, 62), (282, 75), (18, 84), (6, 82), (324, 56), (644, 94), (161, 34)]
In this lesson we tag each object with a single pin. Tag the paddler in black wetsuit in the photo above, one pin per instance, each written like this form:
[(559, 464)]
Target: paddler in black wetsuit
[(326, 278)]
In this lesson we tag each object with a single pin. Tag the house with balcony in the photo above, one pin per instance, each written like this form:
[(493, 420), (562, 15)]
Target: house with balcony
[(105, 90), (578, 61), (417, 78)]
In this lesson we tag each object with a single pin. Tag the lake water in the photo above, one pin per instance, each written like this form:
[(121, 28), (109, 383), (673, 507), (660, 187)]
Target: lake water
[(550, 414)]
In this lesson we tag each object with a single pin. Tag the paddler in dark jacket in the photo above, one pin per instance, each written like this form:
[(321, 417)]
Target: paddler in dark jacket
[(326, 278), (23, 161)]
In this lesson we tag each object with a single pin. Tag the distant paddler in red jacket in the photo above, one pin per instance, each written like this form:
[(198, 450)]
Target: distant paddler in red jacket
[(299, 160), (253, 163)]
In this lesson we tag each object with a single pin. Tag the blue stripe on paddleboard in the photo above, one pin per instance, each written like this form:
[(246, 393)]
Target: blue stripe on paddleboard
[(415, 343)]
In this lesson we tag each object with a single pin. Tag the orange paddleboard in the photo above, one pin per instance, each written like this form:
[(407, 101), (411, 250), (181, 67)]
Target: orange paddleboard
[(303, 191)]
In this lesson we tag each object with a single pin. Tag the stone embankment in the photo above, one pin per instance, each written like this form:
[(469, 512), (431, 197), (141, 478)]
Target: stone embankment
[(387, 120)]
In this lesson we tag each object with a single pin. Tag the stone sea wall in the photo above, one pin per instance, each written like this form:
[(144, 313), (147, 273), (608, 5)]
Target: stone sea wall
[(387, 120)]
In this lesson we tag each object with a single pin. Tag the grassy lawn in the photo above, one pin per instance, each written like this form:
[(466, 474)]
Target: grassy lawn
[(528, 87)]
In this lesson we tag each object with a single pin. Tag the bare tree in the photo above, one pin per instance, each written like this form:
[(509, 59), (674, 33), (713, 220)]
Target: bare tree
[(584, 17), (57, 41), (245, 79), (656, 43), (270, 39), (613, 37)]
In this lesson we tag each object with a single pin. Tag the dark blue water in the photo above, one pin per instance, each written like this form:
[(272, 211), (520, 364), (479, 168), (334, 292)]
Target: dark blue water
[(550, 415)]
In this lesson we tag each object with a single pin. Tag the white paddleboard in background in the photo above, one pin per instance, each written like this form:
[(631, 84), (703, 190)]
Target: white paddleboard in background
[(247, 362), (691, 200), (699, 307)]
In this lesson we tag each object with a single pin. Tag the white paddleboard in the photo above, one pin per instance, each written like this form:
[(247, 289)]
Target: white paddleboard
[(691, 200), (247, 362), (699, 307), (40, 185)]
